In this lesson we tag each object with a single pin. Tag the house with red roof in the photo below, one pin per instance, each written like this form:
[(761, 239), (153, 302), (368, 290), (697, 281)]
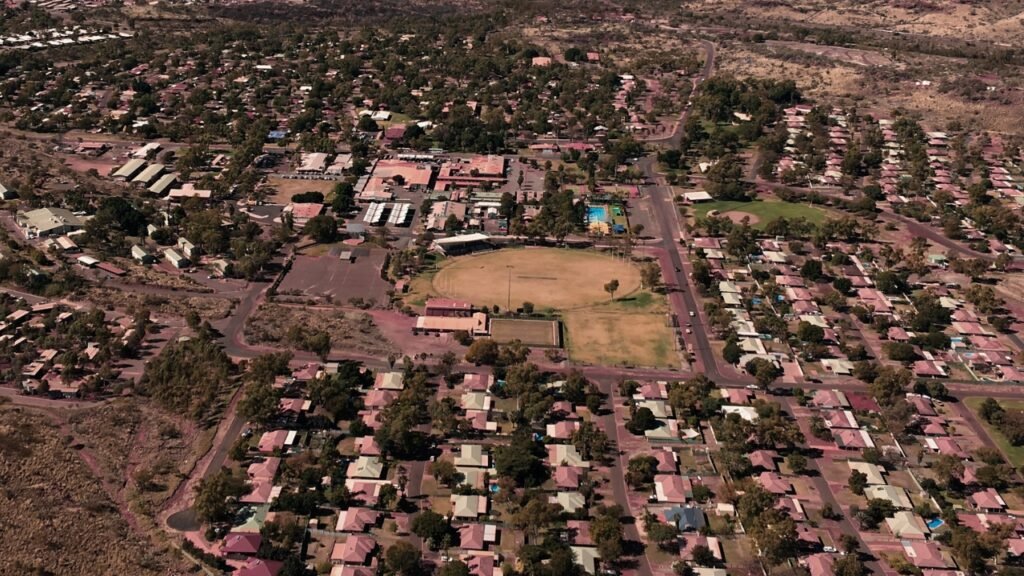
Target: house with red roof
[(567, 477), (357, 519), (924, 554), (988, 500), (820, 564), (240, 545), (294, 406), (764, 459), (830, 399), (273, 441), (260, 567), (653, 391), (839, 419), (579, 532), (672, 488), (477, 382), (945, 445), (367, 446), (774, 483), (668, 461), (852, 439), (562, 430), (477, 536), (482, 565), (265, 469), (356, 549), (922, 404)]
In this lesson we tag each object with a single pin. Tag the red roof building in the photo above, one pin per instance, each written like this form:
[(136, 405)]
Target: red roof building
[(260, 567), (240, 544)]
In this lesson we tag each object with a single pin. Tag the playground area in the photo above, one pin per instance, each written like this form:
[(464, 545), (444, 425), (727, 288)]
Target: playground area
[(554, 278)]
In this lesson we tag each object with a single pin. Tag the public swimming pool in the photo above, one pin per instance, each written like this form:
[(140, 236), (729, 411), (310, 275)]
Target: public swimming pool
[(597, 214)]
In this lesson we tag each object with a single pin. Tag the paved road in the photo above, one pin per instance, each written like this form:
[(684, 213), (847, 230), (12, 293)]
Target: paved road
[(828, 497), (675, 137), (618, 481)]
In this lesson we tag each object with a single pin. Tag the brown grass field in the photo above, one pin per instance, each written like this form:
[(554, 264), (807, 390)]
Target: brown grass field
[(548, 277), (286, 188), (529, 332), (617, 339)]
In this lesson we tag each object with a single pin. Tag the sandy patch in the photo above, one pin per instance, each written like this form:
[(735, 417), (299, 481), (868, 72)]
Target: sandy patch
[(737, 217)]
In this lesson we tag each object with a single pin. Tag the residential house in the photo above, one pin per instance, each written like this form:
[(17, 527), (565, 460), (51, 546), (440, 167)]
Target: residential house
[(894, 494), (477, 536), (356, 519), (468, 505), (239, 546), (906, 525), (357, 549), (672, 488), (685, 518)]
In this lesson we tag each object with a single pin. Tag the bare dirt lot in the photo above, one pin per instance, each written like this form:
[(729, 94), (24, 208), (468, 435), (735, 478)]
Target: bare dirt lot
[(547, 277), (330, 277), (275, 323), (207, 308)]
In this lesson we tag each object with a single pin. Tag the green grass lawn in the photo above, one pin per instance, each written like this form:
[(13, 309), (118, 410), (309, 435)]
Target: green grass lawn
[(765, 211), (1014, 453)]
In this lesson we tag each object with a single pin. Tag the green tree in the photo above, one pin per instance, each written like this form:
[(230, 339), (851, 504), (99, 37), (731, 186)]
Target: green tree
[(453, 568), (432, 527), (445, 472), (260, 405), (611, 287), (775, 534), (849, 565), (590, 441), (212, 494), (322, 228), (650, 275), (641, 470), (402, 558), (482, 351), (522, 460), (889, 384), (858, 481), (643, 419), (797, 463)]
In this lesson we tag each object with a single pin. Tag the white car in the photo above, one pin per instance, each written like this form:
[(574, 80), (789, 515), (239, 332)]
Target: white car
[(692, 314)]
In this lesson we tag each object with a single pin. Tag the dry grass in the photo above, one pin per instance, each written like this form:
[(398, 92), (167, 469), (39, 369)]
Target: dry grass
[(286, 188), (207, 308), (144, 448), (547, 277), (139, 274), (55, 517), (614, 338), (272, 323)]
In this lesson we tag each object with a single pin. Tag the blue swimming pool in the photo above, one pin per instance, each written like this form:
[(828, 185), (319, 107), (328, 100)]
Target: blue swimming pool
[(935, 523), (597, 214)]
